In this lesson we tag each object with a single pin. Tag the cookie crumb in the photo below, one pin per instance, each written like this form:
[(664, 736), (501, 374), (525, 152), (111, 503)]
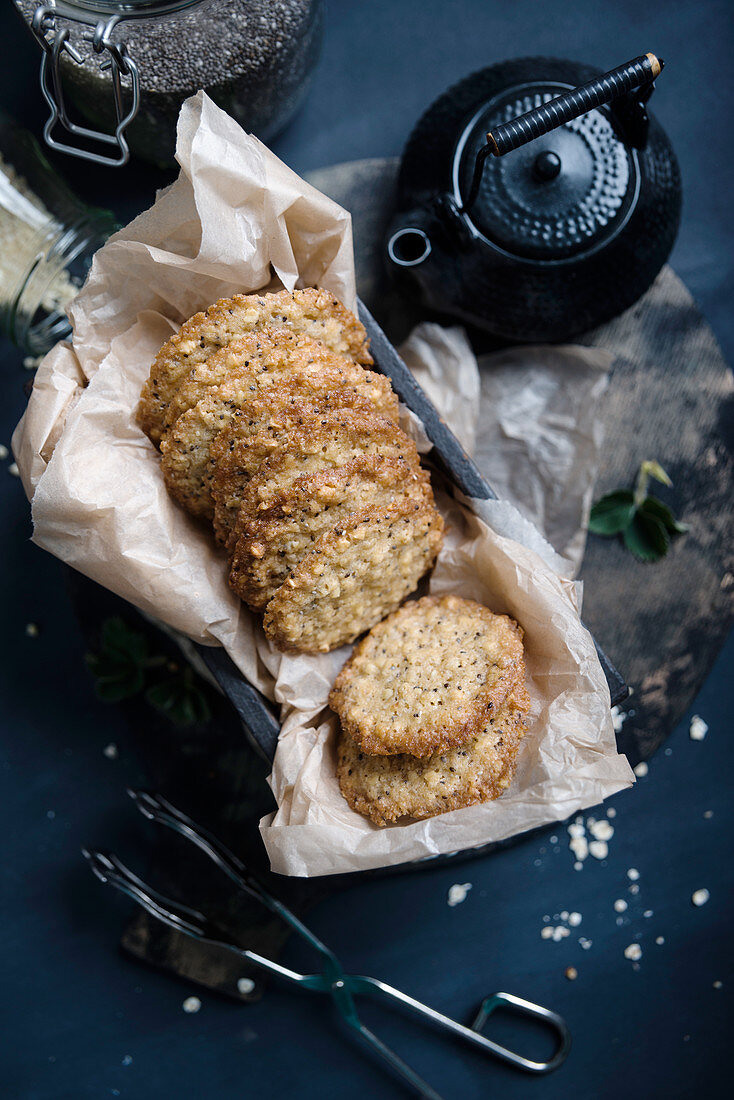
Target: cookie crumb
[(619, 717), (620, 905), (633, 874), (571, 973), (31, 630), (634, 888), (578, 866), (641, 770), (546, 932), (697, 729), (457, 893), (585, 944), (599, 849), (245, 985), (708, 814), (127, 1060), (660, 940), (634, 952), (718, 985), (611, 812), (700, 897), (647, 914), (4, 452), (191, 1004), (110, 751), (602, 830), (574, 919), (13, 469)]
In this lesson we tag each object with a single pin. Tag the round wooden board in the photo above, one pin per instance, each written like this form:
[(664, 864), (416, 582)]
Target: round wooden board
[(670, 399)]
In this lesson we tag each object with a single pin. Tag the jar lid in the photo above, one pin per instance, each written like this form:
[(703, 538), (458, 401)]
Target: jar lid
[(90, 11), (560, 195)]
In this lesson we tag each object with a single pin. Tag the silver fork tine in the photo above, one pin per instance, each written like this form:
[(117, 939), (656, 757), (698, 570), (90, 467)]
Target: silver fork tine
[(156, 808), (113, 872)]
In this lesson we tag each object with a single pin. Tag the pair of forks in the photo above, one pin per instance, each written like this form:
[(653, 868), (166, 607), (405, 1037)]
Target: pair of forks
[(332, 980)]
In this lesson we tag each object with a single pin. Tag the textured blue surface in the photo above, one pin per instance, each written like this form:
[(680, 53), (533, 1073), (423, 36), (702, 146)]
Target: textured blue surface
[(74, 1011)]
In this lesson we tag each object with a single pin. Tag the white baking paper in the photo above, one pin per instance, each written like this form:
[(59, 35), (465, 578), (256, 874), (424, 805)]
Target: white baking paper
[(235, 220), (529, 416)]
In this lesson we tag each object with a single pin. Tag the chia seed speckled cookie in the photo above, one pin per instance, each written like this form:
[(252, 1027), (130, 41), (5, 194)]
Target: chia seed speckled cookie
[(427, 678), (387, 788), (312, 311), (243, 487), (280, 354), (357, 573), (269, 548), (186, 448)]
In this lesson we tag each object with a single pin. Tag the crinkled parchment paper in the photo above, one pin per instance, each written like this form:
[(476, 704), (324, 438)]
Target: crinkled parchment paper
[(238, 220), (530, 418)]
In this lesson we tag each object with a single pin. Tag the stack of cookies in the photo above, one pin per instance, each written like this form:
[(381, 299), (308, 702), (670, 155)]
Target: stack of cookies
[(272, 428), (433, 706)]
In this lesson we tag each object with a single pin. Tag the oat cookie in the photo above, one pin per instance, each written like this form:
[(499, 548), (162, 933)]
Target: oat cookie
[(356, 573), (280, 354), (243, 485), (269, 548), (387, 788), (426, 679), (186, 447), (312, 311), (270, 417)]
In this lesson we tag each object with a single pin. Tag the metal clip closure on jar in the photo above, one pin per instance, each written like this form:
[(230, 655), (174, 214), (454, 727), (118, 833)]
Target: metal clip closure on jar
[(54, 41), (126, 66)]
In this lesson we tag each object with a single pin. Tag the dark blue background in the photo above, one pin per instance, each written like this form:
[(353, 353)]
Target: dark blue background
[(73, 1008)]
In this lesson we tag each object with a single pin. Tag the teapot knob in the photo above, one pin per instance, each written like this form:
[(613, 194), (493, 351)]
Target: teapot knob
[(547, 166)]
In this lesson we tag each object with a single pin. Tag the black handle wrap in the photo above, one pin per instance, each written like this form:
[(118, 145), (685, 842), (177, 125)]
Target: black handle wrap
[(612, 85)]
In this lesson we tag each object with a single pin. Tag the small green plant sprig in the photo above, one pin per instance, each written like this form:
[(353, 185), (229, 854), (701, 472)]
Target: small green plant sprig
[(645, 524), (125, 667)]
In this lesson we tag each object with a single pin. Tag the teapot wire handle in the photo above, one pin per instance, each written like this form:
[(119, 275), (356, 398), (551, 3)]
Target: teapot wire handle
[(549, 116)]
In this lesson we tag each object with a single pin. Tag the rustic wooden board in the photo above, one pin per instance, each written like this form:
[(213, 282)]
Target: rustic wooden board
[(669, 398)]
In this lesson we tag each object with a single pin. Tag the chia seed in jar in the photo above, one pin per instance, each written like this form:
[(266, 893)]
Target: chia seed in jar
[(253, 57)]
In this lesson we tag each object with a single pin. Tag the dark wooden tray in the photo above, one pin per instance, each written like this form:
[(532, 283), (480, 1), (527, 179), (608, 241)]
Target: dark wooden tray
[(256, 712)]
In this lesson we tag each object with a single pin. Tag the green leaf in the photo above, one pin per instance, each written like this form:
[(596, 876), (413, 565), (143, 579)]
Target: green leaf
[(119, 667), (180, 698), (655, 508), (647, 538), (613, 513), (123, 642)]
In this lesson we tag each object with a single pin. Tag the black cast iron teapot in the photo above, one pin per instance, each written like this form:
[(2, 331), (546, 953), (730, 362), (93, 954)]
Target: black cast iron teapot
[(537, 198)]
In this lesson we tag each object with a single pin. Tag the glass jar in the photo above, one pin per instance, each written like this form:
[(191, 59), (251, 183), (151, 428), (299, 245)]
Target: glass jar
[(47, 240), (126, 66)]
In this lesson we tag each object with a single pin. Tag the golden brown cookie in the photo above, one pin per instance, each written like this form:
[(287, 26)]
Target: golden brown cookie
[(276, 412), (387, 788), (356, 573), (186, 447), (269, 548), (280, 354), (426, 679), (243, 485), (314, 312)]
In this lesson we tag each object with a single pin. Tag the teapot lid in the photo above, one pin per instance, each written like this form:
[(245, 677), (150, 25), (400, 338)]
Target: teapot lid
[(562, 195)]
